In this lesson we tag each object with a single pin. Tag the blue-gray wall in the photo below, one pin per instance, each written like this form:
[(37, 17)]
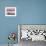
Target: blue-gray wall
[(28, 12)]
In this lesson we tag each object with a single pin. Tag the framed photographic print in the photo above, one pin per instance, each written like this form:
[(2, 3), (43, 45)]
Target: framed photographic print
[(10, 11)]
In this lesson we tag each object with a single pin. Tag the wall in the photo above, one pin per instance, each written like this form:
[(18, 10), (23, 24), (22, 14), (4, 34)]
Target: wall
[(28, 12)]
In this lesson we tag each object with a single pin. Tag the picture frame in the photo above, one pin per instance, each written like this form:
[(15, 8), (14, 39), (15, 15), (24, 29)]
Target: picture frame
[(10, 11)]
